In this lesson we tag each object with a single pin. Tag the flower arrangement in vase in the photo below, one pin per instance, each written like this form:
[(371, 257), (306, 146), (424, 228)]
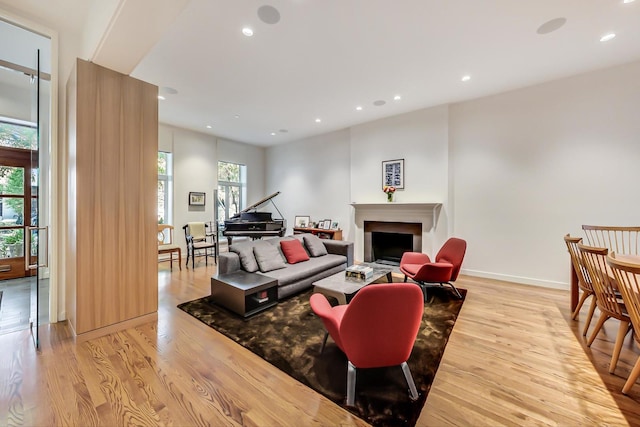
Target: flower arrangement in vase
[(390, 190)]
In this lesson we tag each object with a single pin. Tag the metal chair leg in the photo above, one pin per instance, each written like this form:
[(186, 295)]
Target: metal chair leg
[(324, 342), (351, 384), (413, 392), (455, 290)]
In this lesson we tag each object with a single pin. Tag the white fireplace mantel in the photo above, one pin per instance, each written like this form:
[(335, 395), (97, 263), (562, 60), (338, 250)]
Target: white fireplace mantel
[(403, 209)]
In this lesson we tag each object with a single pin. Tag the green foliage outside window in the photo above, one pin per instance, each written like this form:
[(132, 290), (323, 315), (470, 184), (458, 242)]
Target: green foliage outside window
[(18, 136), (229, 172)]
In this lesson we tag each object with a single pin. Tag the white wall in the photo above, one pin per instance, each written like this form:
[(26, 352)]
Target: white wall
[(531, 165), (195, 168), (313, 178), (321, 176), (421, 139)]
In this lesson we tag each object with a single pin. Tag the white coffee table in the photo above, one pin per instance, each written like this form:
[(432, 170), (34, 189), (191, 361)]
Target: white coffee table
[(339, 286)]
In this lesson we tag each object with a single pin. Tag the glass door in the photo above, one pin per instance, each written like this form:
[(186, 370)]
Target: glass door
[(25, 123), (36, 232)]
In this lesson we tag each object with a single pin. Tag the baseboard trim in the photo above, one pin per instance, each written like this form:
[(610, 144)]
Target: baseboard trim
[(131, 323), (517, 279)]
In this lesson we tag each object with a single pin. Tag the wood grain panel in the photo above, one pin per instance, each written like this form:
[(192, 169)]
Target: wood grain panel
[(115, 198)]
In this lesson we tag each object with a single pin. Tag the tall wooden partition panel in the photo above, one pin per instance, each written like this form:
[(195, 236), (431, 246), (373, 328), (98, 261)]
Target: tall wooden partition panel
[(112, 280)]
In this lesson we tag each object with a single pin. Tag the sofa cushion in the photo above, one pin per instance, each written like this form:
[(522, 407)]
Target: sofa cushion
[(314, 245), (293, 251), (245, 253), (268, 258), (302, 270)]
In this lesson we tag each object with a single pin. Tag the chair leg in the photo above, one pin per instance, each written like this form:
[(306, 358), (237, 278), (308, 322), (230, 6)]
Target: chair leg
[(351, 384), (633, 376), (324, 341), (622, 332), (180, 258), (583, 298), (603, 318), (455, 290), (592, 309), (407, 376), (405, 278)]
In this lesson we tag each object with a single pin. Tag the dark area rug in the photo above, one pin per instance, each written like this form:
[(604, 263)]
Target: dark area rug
[(289, 336)]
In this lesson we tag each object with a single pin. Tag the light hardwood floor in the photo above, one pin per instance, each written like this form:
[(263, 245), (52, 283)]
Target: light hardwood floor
[(514, 358)]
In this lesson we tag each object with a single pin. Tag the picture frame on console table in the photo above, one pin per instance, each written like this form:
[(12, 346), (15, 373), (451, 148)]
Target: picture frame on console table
[(302, 221), (324, 224), (393, 173), (196, 198)]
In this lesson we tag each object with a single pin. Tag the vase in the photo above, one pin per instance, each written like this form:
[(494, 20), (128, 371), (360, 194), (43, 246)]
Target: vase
[(389, 197)]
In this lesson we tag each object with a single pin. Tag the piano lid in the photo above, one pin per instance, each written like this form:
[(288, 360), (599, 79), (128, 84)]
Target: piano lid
[(261, 202)]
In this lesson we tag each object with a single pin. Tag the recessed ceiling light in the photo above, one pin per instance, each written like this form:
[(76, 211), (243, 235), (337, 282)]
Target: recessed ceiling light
[(208, 126), (607, 37), (465, 78), (397, 98), (318, 120), (160, 97), (236, 116), (359, 108), (247, 31), (629, 1), (551, 26), (273, 134)]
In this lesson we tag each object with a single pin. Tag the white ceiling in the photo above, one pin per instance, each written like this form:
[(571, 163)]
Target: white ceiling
[(325, 57)]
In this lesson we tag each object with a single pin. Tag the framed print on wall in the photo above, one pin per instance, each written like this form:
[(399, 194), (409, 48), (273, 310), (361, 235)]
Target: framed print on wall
[(302, 221), (196, 199), (393, 173)]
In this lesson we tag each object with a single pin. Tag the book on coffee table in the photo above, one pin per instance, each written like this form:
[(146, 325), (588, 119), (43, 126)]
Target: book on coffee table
[(359, 272)]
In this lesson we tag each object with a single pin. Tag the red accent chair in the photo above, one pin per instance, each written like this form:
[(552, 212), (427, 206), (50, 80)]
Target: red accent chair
[(376, 329), (444, 270)]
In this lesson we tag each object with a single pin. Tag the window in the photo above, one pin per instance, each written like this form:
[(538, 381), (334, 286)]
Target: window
[(165, 187), (18, 134), (231, 190)]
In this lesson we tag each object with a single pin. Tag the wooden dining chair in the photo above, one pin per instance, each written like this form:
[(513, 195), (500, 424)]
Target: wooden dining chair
[(166, 245), (200, 239), (621, 240), (608, 299), (627, 276), (584, 280)]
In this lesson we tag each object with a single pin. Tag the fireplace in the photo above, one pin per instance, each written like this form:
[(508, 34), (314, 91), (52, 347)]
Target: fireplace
[(385, 242), (417, 219)]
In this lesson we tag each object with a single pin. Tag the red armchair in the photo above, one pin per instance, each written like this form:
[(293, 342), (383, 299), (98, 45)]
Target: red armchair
[(377, 328), (443, 271)]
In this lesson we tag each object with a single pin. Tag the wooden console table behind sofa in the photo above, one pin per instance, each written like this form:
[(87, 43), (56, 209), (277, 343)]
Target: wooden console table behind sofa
[(323, 234)]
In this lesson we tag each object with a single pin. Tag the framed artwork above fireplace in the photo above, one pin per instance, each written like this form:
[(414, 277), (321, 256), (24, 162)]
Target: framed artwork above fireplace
[(393, 173)]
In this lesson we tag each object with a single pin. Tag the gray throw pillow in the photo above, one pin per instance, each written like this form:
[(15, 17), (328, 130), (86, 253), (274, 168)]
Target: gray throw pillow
[(314, 245), (268, 258), (247, 259)]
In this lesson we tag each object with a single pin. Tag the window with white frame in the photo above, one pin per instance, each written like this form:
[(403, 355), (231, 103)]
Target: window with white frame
[(232, 183), (165, 187)]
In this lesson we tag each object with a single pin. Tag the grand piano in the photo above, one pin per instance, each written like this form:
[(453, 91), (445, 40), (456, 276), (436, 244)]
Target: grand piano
[(251, 223)]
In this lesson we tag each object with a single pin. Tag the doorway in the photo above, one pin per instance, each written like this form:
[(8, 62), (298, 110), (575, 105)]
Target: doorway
[(25, 129)]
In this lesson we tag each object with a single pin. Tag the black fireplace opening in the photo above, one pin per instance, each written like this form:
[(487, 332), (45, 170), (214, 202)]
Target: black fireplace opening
[(387, 248)]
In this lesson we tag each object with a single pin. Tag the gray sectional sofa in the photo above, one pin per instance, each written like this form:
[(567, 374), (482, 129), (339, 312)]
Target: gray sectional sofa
[(326, 257)]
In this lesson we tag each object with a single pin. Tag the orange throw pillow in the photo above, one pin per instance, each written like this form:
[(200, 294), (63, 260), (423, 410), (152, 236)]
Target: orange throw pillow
[(293, 251)]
